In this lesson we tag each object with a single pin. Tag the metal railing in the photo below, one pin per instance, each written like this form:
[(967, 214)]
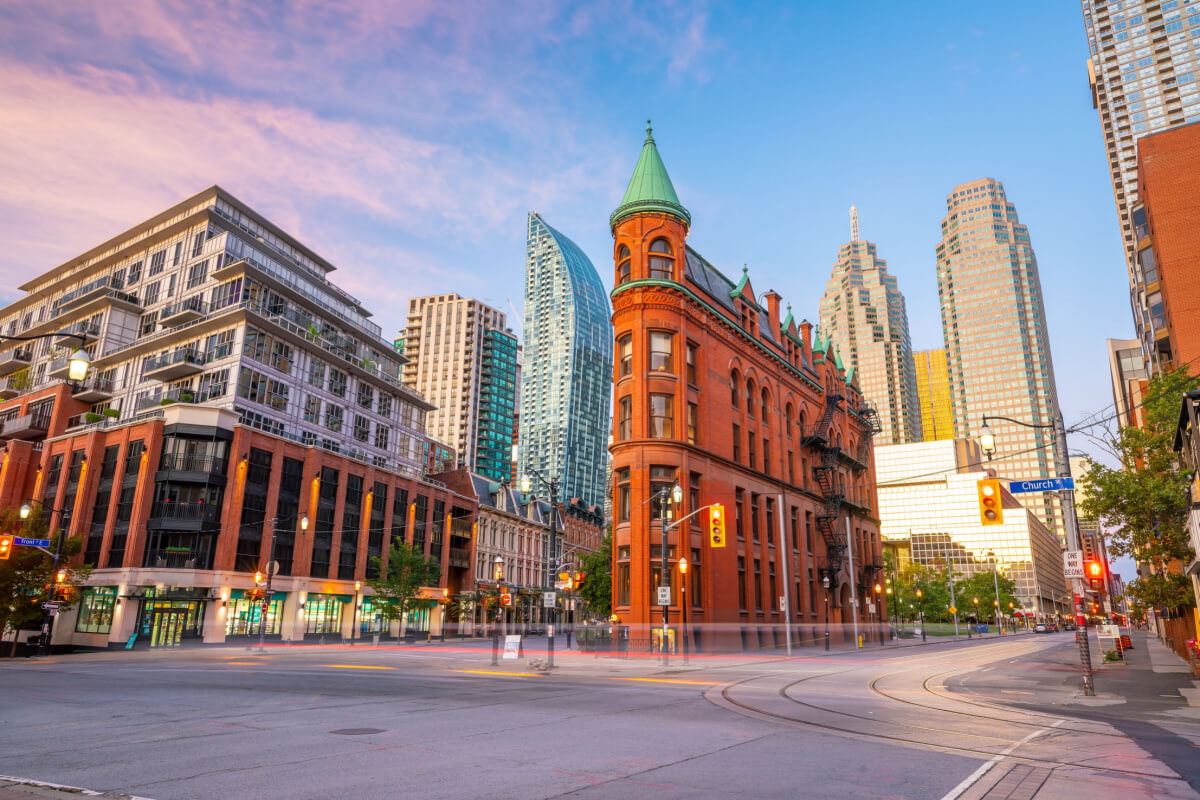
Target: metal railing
[(193, 303), (26, 423), (187, 462), (182, 355), (166, 509)]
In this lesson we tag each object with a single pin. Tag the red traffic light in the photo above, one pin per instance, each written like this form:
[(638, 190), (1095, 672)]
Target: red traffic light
[(6, 543)]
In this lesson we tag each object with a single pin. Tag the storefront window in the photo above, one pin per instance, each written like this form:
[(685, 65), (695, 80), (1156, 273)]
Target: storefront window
[(243, 616), (96, 610), (323, 613), (369, 617)]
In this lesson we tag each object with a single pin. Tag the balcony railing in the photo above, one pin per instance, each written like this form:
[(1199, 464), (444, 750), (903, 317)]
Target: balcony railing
[(460, 557), (185, 310), (176, 558), (93, 390), (168, 398), (15, 360), (27, 426), (186, 462), (176, 364), (203, 512)]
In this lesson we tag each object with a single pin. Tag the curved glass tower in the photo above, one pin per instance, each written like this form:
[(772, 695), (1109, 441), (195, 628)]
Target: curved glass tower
[(566, 378)]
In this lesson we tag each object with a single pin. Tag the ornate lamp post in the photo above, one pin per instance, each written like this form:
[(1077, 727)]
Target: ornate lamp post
[(825, 583), (683, 568), (498, 575), (551, 559), (921, 610)]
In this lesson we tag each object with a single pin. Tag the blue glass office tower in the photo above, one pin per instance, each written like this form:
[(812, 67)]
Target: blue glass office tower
[(566, 378)]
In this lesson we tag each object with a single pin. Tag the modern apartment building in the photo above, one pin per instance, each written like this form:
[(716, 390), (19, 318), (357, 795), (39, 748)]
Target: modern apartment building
[(1144, 57), (235, 395), (566, 374), (929, 506), (863, 313), (1168, 242), (462, 357), (715, 393), (997, 347), (933, 394), (1127, 369)]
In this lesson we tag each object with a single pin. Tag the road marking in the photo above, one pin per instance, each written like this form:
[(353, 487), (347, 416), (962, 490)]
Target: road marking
[(668, 680), (1014, 691), (493, 672), (354, 666), (974, 777), (244, 663)]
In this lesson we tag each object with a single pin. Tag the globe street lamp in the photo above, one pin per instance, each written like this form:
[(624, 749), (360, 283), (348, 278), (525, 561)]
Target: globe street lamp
[(79, 362)]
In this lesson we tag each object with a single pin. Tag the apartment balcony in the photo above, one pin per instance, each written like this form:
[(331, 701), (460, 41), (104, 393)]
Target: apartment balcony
[(14, 360), (172, 516), (183, 467), (460, 558), (166, 399), (29, 426), (93, 390), (178, 364), (97, 293), (90, 331), (186, 310)]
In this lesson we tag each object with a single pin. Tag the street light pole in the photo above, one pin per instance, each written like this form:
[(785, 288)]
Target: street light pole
[(551, 559), (683, 568), (498, 574), (921, 608), (996, 587), (266, 600), (44, 639), (825, 583)]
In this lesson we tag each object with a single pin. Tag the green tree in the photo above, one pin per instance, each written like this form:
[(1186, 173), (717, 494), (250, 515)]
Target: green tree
[(1144, 502), (983, 585), (398, 587), (27, 574), (596, 589)]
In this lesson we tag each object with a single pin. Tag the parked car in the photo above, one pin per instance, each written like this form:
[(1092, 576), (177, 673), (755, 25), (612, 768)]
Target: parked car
[(1068, 626), (1041, 628)]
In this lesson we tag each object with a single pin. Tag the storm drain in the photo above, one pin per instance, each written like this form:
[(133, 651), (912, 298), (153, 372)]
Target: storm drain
[(357, 731)]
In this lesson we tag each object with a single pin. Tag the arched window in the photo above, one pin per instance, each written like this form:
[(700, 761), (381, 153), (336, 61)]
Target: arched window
[(623, 268), (662, 262), (750, 395), (734, 381), (787, 420), (766, 398)]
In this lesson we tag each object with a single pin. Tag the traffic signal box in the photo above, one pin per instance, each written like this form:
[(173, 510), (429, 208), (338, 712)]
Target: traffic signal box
[(6, 545), (1095, 574), (716, 526), (990, 511)]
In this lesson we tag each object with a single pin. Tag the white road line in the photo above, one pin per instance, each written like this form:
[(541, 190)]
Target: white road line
[(974, 777)]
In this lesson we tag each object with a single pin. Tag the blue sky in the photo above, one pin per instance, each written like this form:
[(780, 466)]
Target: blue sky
[(407, 141)]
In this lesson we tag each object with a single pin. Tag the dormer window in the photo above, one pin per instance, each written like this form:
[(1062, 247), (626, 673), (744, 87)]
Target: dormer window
[(662, 261), (623, 265)]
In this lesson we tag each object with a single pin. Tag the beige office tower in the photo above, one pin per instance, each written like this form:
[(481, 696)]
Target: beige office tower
[(863, 314), (463, 359), (997, 348), (1143, 69), (933, 394)]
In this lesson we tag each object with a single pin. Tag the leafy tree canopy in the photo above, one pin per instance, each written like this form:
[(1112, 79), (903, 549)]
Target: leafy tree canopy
[(1144, 502), (398, 587), (26, 575), (596, 589)]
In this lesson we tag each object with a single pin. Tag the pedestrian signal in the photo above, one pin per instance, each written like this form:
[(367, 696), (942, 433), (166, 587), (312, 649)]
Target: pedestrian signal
[(716, 526), (990, 511)]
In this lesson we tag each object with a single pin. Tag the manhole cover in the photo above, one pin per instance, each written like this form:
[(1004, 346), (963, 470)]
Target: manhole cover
[(357, 731)]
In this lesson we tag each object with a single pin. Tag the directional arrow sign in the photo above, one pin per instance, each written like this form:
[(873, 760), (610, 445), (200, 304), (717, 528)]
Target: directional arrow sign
[(1041, 485), (32, 542)]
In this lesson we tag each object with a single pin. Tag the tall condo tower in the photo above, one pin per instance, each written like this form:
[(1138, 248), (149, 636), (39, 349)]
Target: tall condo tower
[(997, 348), (566, 378), (863, 314), (1143, 69), (461, 355)]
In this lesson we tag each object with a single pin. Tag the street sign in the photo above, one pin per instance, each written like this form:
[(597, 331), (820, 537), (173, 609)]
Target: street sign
[(953, 610), (50, 606), (31, 542), (562, 586), (506, 599), (664, 595), (782, 603), (870, 607), (1041, 485), (1072, 564), (547, 599)]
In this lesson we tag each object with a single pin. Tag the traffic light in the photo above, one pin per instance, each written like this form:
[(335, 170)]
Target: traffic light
[(990, 511), (5, 546), (1095, 572), (716, 525)]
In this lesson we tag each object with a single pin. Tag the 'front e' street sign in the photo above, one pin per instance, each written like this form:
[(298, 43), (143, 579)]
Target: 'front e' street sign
[(31, 542), (1041, 485)]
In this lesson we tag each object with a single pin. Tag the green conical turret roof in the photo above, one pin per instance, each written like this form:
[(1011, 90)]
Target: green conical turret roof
[(650, 188)]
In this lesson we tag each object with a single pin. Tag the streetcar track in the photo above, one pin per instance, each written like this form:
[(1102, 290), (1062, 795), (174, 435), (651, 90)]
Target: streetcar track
[(1054, 764)]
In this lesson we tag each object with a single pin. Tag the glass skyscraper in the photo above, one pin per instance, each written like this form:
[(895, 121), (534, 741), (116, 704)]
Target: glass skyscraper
[(863, 313), (933, 395), (997, 348), (566, 377)]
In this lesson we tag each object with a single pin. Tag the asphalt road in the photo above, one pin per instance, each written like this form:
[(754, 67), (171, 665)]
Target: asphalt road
[(441, 722)]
